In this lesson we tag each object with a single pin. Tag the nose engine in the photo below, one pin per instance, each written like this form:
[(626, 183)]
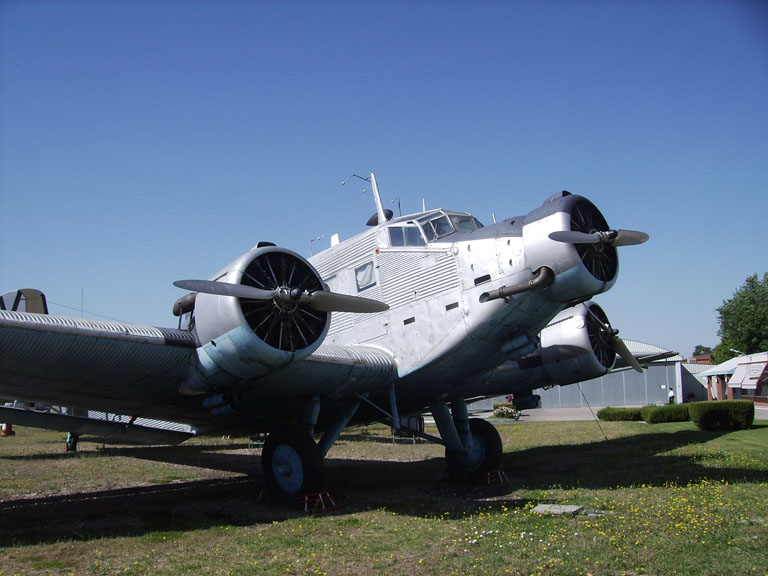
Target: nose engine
[(582, 269)]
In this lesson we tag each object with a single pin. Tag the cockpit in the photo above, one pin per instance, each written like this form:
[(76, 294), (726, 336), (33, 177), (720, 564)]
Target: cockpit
[(431, 226)]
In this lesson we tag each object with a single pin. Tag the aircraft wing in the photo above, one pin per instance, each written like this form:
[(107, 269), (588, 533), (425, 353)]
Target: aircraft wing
[(109, 366), (139, 371)]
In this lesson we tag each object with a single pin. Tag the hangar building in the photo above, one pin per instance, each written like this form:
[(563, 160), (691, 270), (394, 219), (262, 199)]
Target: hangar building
[(630, 388)]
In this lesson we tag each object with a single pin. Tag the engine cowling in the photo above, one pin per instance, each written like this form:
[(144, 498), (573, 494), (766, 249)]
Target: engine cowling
[(244, 338), (575, 347), (581, 270)]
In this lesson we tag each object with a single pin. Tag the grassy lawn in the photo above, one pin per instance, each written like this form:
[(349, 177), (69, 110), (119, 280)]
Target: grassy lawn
[(663, 499)]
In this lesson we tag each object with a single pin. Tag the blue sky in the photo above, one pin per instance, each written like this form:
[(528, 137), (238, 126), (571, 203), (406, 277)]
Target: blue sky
[(143, 142)]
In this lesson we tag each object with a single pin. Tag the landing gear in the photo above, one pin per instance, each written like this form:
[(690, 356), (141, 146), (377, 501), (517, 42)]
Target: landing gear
[(292, 465), (72, 440), (483, 456), (472, 446)]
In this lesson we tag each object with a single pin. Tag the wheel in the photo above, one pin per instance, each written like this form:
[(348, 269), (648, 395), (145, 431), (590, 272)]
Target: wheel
[(485, 454), (72, 441), (292, 464)]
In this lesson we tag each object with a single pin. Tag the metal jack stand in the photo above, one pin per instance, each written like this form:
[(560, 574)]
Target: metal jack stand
[(497, 476), (317, 502)]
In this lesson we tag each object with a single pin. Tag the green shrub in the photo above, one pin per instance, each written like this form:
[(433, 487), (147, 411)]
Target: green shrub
[(665, 413), (613, 414), (723, 414)]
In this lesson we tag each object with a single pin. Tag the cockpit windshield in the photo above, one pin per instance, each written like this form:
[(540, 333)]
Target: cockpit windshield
[(429, 227), (440, 224)]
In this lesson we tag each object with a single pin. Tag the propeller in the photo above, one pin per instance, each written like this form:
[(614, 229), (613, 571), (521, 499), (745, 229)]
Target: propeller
[(612, 237), (319, 300), (617, 343)]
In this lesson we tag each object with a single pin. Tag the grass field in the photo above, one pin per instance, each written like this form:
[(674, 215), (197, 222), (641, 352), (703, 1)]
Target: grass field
[(659, 500)]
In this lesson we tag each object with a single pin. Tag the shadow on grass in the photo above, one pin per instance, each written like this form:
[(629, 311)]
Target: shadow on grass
[(408, 488), (622, 463), (213, 456)]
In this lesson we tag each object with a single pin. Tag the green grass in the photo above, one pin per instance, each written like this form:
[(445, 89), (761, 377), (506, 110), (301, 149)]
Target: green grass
[(671, 500)]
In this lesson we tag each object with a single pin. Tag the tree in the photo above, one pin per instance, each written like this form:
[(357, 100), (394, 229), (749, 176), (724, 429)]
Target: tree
[(744, 320), (700, 350)]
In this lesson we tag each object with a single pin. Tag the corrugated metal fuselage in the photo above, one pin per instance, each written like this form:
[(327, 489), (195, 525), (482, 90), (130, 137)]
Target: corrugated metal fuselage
[(444, 340)]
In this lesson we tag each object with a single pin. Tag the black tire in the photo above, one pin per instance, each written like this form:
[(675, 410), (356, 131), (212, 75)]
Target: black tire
[(485, 456), (292, 464)]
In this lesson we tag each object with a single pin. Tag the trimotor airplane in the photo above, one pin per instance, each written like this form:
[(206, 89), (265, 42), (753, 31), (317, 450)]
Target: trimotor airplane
[(419, 313)]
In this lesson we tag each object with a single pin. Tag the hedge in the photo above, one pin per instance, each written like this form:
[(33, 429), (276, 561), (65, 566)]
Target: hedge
[(615, 414), (665, 413), (723, 414)]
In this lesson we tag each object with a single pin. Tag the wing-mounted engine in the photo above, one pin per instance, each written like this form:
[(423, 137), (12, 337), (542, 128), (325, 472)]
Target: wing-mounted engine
[(249, 337), (579, 344), (569, 235), (266, 309)]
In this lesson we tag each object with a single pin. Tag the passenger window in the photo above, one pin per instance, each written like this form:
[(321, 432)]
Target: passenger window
[(364, 276)]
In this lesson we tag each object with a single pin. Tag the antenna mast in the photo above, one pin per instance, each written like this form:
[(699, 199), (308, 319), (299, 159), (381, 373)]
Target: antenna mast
[(377, 199)]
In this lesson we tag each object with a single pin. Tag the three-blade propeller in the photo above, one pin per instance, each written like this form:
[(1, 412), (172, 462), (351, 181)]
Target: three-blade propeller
[(612, 237), (618, 344), (320, 300)]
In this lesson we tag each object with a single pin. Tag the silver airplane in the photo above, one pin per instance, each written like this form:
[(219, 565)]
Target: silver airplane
[(418, 314)]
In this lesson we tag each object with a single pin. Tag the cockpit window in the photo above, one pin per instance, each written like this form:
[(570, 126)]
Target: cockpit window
[(439, 224), (436, 227), (465, 223), (405, 236)]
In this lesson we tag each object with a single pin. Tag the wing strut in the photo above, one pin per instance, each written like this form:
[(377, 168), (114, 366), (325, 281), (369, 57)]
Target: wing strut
[(390, 419)]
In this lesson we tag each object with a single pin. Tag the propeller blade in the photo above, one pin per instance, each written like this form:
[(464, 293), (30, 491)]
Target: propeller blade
[(225, 289), (574, 237), (333, 302), (320, 301), (623, 351), (612, 237), (618, 344), (630, 238)]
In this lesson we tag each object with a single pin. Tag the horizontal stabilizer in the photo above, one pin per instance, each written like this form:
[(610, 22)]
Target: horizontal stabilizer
[(107, 431)]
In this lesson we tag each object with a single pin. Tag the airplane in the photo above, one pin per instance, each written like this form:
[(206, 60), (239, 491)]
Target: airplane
[(418, 314)]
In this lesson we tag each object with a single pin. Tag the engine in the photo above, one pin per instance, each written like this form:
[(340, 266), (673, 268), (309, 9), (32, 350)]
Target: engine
[(578, 344), (581, 268), (248, 338)]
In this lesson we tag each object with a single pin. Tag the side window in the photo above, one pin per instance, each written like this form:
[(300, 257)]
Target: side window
[(413, 236), (364, 276), (396, 236), (405, 236)]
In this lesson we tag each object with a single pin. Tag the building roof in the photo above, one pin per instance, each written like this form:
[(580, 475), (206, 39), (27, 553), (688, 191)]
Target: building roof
[(729, 366), (641, 348)]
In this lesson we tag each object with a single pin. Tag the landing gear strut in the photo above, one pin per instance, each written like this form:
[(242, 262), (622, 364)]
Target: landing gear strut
[(472, 445)]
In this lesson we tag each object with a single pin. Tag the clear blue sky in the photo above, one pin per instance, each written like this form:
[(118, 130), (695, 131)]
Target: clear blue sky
[(143, 142)]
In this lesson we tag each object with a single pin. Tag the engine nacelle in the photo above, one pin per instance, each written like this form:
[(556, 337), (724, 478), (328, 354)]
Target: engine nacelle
[(580, 269), (575, 347), (244, 338)]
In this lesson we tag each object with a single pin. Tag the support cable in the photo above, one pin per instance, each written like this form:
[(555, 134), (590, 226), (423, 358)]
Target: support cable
[(597, 420)]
